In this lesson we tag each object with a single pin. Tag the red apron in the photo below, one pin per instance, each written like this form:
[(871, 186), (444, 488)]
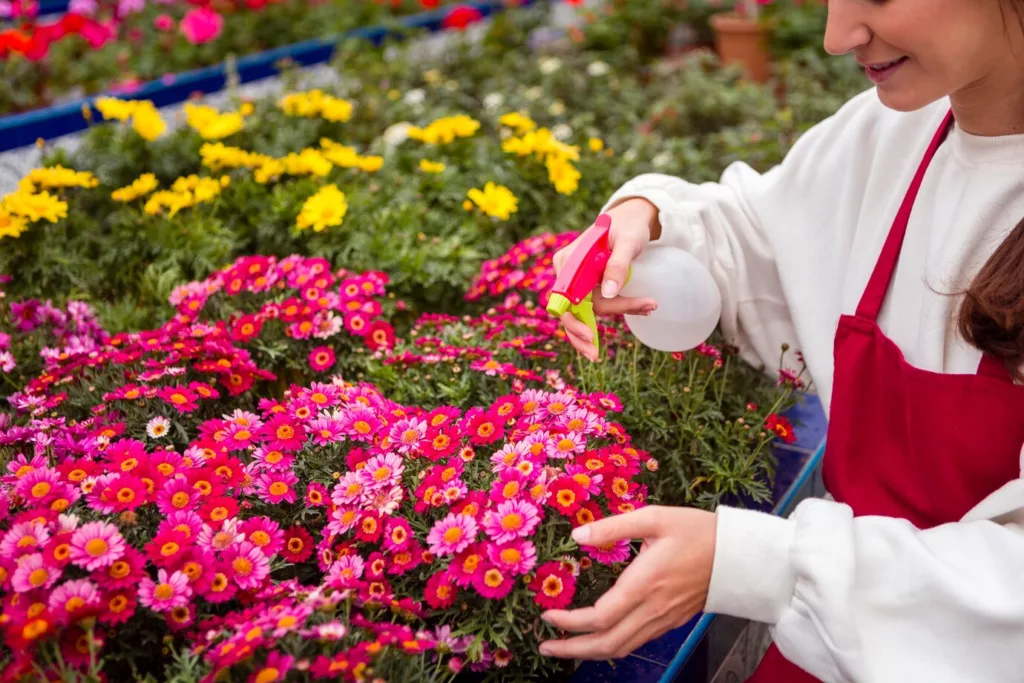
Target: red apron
[(904, 442)]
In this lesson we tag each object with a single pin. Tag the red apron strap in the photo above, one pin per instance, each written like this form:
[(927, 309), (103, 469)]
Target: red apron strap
[(990, 366), (878, 285)]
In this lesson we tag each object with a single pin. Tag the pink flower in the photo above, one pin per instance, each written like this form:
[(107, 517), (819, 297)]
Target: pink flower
[(32, 573), (407, 434), (201, 25), (396, 534), (72, 597), (275, 487), (610, 553), (382, 471), (345, 572), (95, 545), (276, 668), (452, 534), (384, 501), (164, 22), (562, 446), (321, 358), (511, 520), (325, 430), (166, 593), (24, 538), (316, 495), (492, 583), (517, 557), (265, 534), (360, 424), (248, 565)]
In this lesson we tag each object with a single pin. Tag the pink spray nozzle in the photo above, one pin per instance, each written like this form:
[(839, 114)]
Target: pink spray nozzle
[(583, 269)]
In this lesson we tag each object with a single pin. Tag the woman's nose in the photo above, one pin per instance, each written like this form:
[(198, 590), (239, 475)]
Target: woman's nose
[(847, 28)]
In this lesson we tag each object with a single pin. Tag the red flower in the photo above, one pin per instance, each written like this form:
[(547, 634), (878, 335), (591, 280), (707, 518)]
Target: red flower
[(484, 428), (283, 434), (298, 545), (782, 427), (566, 496), (380, 335), (179, 397), (461, 17), (440, 591), (321, 358), (553, 586), (246, 327), (218, 509)]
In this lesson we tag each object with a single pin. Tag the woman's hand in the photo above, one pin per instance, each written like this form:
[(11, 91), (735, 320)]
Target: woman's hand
[(634, 224), (660, 590)]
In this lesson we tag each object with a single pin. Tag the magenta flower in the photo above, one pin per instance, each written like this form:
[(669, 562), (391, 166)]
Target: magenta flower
[(452, 534), (163, 22), (24, 538), (276, 486), (511, 520), (360, 424), (396, 535), (201, 25), (95, 545), (492, 582), (609, 553), (345, 571), (166, 593), (518, 557), (248, 565)]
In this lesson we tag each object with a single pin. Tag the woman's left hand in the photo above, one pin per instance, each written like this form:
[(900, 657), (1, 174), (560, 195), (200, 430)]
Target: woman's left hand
[(664, 586)]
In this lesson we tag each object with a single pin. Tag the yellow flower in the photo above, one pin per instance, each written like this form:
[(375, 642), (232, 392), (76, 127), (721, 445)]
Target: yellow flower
[(324, 209), (595, 144), (272, 169), (316, 103), (247, 109), (212, 125), (36, 206), (494, 200), (113, 108), (167, 200), (432, 76), (445, 130), (217, 155), (371, 164), (58, 176), (467, 205), (394, 94), (147, 122), (307, 162), (522, 124), (563, 175), (431, 166), (11, 225), (140, 187), (339, 155)]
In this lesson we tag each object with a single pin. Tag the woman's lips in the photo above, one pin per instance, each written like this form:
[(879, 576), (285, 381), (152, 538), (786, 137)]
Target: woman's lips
[(880, 72)]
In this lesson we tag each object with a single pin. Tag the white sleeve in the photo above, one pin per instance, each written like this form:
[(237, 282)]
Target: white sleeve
[(753, 231), (873, 599)]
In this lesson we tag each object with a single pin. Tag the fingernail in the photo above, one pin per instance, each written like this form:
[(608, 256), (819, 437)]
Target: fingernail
[(545, 651), (545, 618), (650, 308), (609, 289), (581, 534)]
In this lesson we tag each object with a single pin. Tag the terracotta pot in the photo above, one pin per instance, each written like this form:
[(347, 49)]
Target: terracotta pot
[(743, 41)]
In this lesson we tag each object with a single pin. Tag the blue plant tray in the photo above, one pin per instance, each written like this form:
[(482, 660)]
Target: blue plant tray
[(681, 655), (22, 130)]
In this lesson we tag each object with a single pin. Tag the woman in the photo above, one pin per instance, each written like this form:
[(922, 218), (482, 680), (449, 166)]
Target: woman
[(912, 325)]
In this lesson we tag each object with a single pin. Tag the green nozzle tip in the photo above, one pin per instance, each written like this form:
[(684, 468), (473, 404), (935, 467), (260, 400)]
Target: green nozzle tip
[(557, 305)]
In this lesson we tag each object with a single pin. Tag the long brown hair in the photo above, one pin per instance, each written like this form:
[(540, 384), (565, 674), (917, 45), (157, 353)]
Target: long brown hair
[(992, 313)]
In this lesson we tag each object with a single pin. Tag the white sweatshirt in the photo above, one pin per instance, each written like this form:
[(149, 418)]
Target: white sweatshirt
[(870, 599)]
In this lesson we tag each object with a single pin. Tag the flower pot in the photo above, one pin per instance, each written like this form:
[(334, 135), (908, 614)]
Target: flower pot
[(743, 41)]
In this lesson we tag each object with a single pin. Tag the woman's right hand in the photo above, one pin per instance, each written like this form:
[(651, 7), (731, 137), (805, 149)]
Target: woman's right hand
[(634, 224)]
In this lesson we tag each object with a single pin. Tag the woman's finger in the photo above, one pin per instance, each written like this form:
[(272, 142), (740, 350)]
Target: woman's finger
[(624, 304), (577, 327), (625, 246), (644, 523), (612, 643)]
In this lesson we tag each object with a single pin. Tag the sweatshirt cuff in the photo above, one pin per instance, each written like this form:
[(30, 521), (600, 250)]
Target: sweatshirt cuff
[(751, 577)]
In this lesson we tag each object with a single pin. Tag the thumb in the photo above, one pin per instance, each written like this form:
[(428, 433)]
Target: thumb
[(642, 523)]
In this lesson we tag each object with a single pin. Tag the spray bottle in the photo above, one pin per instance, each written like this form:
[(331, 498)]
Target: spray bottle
[(689, 303)]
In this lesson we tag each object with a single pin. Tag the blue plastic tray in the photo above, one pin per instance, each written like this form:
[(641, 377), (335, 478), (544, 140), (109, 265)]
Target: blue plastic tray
[(21, 130), (672, 657)]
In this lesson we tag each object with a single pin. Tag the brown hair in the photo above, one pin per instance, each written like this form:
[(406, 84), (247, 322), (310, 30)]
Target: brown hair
[(992, 313)]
